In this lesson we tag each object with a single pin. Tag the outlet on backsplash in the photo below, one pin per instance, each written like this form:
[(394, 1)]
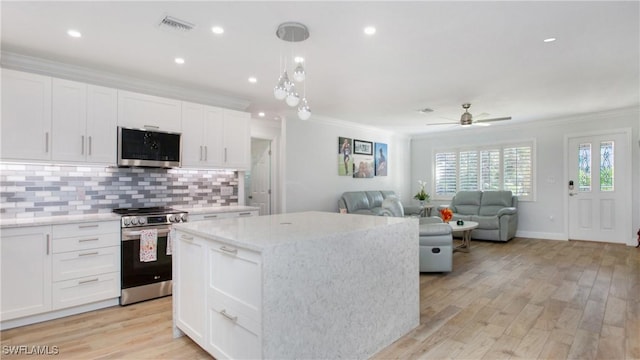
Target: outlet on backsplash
[(226, 190)]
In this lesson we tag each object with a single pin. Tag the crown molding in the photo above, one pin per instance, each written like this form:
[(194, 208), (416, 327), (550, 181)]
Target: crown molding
[(21, 62)]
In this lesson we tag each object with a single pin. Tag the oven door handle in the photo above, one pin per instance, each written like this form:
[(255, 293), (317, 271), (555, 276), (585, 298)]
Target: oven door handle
[(135, 235)]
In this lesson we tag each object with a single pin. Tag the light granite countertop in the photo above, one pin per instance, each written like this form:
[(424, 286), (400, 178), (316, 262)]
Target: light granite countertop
[(71, 219), (260, 232)]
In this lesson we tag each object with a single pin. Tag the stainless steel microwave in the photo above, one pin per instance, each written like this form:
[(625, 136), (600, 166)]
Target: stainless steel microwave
[(149, 148)]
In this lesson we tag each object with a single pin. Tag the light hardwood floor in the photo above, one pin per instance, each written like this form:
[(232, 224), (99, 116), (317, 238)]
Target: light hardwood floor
[(525, 299)]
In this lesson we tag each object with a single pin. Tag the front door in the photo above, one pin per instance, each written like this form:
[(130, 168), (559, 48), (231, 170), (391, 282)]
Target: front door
[(599, 188)]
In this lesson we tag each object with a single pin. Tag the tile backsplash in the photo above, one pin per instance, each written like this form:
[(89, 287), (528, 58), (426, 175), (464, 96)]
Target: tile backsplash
[(34, 190)]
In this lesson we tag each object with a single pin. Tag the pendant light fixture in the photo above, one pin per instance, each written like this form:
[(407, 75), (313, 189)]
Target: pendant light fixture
[(285, 89)]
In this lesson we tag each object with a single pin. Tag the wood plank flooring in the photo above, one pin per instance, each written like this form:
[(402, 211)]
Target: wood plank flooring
[(526, 299)]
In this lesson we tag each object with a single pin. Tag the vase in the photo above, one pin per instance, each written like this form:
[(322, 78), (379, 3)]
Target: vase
[(421, 203)]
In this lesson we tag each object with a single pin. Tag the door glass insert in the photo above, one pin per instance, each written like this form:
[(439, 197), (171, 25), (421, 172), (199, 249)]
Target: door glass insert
[(606, 166), (584, 167)]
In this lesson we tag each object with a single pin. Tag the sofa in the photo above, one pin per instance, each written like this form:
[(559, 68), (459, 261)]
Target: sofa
[(435, 238), (369, 202), (496, 213)]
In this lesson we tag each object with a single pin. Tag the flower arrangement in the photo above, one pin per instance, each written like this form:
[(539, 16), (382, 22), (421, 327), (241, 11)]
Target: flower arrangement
[(446, 214), (422, 195)]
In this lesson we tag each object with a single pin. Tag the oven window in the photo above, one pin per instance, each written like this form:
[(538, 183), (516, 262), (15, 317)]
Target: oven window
[(136, 273)]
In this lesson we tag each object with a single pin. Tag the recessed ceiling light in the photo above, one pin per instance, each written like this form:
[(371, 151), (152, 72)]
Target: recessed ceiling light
[(548, 40), (179, 61), (74, 33), (370, 30), (217, 30), (261, 114), (253, 80)]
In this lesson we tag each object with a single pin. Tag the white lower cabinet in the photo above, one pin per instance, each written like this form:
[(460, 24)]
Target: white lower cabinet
[(222, 215), (25, 261), (230, 278), (53, 267)]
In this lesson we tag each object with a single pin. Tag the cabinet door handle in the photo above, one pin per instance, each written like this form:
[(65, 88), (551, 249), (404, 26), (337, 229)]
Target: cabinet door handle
[(90, 147), (230, 317), (85, 240), (46, 142), (229, 250), (225, 154), (206, 153), (87, 281), (48, 244), (200, 152), (88, 226), (82, 147), (151, 127), (89, 254)]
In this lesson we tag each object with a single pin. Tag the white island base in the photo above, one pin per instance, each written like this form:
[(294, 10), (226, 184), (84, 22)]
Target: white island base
[(301, 285)]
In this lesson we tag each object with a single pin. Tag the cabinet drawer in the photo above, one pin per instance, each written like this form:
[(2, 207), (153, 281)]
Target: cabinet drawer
[(85, 290), (77, 264), (80, 229), (232, 335), (89, 241), (236, 273)]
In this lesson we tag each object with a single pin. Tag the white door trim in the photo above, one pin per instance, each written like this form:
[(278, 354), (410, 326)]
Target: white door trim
[(627, 203)]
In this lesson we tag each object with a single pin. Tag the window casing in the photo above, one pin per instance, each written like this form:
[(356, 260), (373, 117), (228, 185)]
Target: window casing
[(497, 167)]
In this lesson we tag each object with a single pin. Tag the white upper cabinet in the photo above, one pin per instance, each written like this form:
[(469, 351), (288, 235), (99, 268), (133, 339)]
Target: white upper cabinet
[(142, 111), (102, 121), (237, 140), (214, 137), (26, 116), (84, 122)]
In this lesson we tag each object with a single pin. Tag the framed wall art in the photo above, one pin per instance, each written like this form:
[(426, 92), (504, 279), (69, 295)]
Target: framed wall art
[(345, 157), (362, 147), (381, 159)]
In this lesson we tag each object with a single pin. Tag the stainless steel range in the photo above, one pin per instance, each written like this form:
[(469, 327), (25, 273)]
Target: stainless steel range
[(144, 280)]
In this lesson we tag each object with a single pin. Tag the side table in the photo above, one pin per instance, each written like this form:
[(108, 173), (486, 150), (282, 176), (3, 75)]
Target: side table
[(466, 234), (425, 210)]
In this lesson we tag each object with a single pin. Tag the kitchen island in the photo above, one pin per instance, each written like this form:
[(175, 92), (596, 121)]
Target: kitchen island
[(300, 285)]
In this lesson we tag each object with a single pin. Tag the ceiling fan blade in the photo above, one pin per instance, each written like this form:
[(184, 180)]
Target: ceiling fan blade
[(443, 123), (477, 123), (494, 119)]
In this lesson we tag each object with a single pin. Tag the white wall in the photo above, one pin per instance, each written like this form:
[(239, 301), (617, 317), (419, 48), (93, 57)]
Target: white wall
[(550, 138), (311, 163)]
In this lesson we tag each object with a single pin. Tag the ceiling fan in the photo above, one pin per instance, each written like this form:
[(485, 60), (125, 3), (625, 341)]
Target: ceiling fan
[(466, 119)]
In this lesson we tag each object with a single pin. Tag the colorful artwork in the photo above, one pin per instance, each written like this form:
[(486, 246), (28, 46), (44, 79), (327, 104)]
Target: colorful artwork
[(345, 157), (381, 159), (363, 166)]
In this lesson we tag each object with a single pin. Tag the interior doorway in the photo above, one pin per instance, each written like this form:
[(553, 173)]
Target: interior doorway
[(258, 179), (599, 184)]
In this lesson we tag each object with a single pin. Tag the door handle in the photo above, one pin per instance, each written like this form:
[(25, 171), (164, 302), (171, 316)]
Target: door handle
[(573, 194)]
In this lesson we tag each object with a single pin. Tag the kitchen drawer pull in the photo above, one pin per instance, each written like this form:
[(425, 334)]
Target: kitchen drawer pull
[(89, 253), (85, 240), (210, 216), (230, 317), (88, 226), (185, 237), (151, 127), (245, 214), (87, 281), (229, 250)]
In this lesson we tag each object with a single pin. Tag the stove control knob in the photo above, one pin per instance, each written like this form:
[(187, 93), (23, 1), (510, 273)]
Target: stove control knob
[(134, 221), (183, 217), (142, 221), (126, 221), (171, 218)]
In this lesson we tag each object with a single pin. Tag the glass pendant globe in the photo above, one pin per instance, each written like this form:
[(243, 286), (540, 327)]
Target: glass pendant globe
[(280, 92), (299, 73), (304, 112), (292, 98)]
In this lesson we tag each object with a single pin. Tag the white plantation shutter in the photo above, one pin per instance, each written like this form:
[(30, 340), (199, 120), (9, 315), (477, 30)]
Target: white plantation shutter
[(468, 170), (518, 174), (501, 167), (490, 170), (446, 174)]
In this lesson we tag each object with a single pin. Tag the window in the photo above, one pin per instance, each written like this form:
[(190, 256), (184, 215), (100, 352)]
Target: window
[(502, 167)]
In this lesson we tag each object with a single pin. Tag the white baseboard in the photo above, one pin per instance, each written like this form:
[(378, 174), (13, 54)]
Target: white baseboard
[(28, 320), (542, 235)]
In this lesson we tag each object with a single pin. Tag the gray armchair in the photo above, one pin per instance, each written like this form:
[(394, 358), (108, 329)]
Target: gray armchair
[(496, 213)]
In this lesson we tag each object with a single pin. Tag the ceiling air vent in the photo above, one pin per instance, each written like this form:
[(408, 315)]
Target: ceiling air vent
[(177, 24)]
